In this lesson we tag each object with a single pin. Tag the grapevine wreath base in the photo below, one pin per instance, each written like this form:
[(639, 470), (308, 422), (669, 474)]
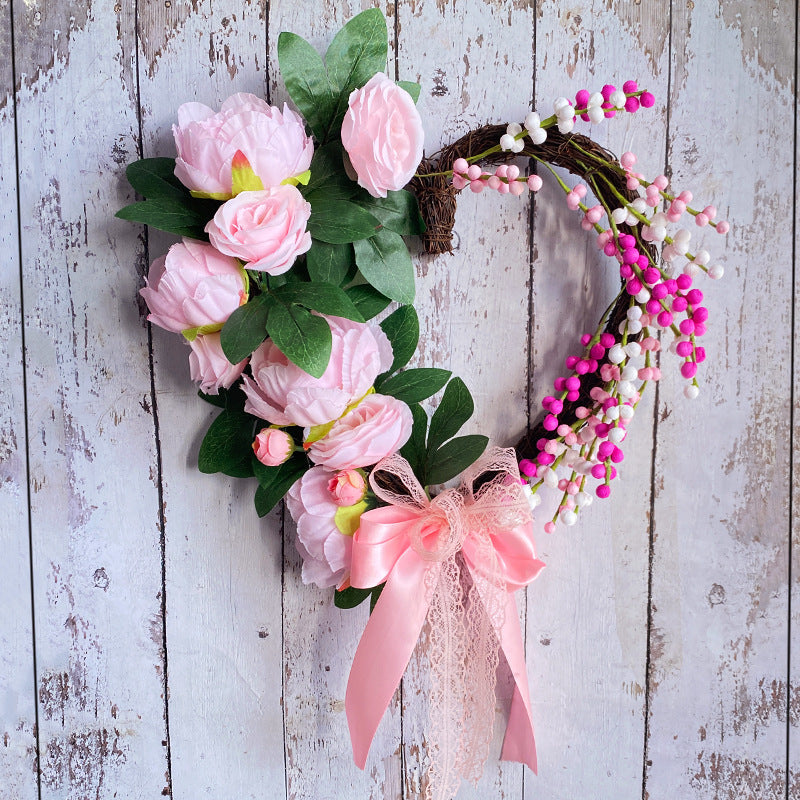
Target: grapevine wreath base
[(293, 229)]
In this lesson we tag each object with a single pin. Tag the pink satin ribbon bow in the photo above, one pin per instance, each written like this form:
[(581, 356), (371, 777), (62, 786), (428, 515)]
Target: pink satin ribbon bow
[(420, 548)]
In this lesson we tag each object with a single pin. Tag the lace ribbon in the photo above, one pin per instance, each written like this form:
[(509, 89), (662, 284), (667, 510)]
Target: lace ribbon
[(454, 561)]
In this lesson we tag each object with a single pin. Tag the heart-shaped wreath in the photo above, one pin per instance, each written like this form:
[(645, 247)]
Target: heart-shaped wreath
[(291, 244)]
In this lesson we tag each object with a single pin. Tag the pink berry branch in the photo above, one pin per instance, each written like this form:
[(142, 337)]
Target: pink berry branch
[(585, 420)]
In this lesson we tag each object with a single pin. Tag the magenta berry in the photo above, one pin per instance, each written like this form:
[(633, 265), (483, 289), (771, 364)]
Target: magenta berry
[(665, 319), (632, 105), (688, 369)]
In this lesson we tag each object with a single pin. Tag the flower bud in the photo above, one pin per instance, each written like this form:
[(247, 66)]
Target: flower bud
[(273, 446), (347, 487)]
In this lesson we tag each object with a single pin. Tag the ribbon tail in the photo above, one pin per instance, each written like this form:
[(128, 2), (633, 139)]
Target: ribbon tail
[(518, 744), (384, 651)]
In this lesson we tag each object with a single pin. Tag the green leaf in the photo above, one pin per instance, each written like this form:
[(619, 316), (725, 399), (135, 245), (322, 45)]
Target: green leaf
[(323, 297), (307, 82), (329, 181), (305, 339), (375, 596), (454, 410), (413, 450), (385, 263), (274, 482), (245, 329), (213, 399), (414, 385), (329, 263), (166, 214), (356, 53), (350, 597), (397, 212), (402, 329), (227, 446), (340, 222), (328, 178), (155, 177), (412, 88), (454, 457), (233, 399), (367, 300)]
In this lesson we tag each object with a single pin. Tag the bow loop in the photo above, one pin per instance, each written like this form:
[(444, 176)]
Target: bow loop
[(391, 476), (454, 561)]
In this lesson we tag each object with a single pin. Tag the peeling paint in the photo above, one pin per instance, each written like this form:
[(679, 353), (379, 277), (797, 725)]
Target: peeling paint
[(81, 760), (722, 777), (44, 32), (767, 39), (161, 24)]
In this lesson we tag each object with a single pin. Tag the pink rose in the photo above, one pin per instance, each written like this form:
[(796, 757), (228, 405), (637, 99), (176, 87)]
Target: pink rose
[(273, 446), (275, 144), (284, 394), (267, 228), (193, 285), (375, 428), (209, 366), (382, 133), (326, 548), (347, 487)]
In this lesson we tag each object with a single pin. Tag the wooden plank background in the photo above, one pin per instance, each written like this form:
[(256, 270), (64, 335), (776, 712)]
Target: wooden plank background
[(155, 637)]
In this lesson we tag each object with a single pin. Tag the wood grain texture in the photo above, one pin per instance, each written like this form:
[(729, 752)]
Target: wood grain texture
[(18, 745), (473, 304), (223, 564), (256, 663), (319, 639), (793, 695), (719, 640), (602, 564), (96, 555)]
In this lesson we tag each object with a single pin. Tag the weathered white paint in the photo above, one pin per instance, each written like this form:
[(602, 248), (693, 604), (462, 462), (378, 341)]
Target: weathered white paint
[(474, 320), (319, 757), (96, 555), (793, 695), (589, 654), (257, 663), (719, 641), (17, 680), (223, 565)]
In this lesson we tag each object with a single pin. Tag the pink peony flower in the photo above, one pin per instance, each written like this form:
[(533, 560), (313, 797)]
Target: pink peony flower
[(347, 487), (267, 228), (274, 143), (284, 394), (193, 285), (375, 428), (273, 446), (382, 133), (209, 366), (326, 548)]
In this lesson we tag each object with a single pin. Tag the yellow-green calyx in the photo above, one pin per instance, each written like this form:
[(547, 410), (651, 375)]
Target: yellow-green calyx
[(317, 432), (190, 334), (348, 518)]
